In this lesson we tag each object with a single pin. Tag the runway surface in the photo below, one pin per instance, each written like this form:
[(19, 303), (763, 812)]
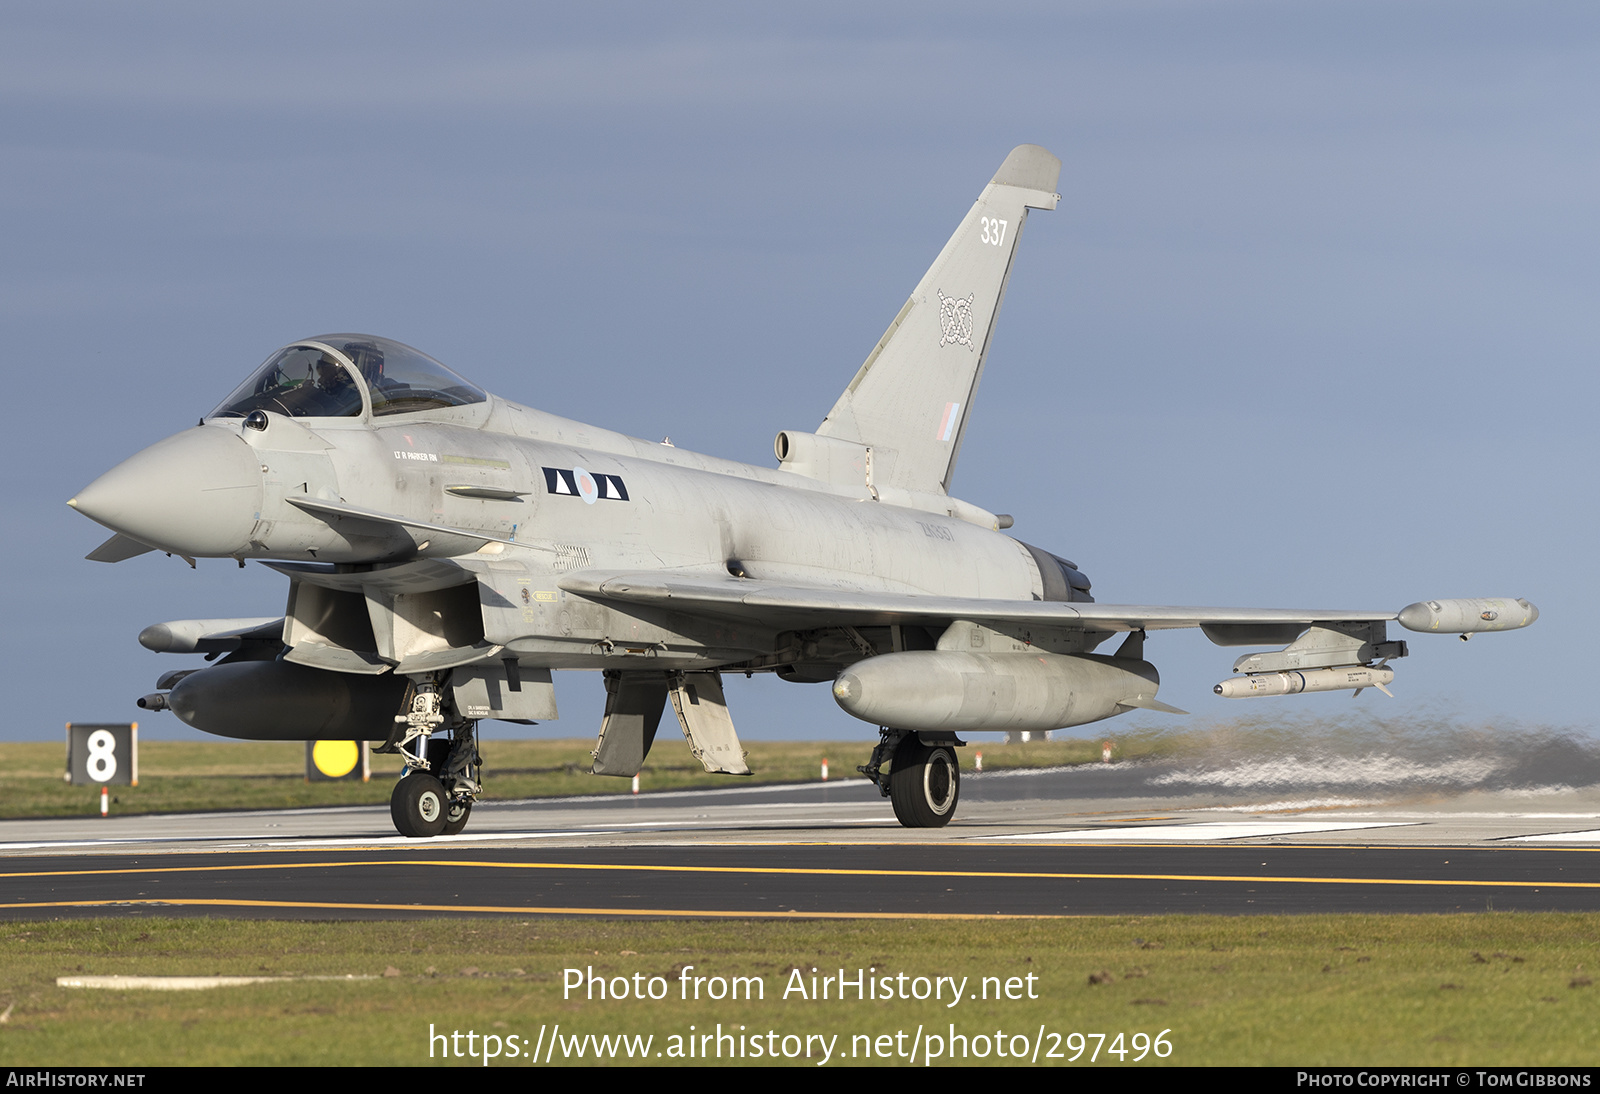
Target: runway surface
[(1112, 839)]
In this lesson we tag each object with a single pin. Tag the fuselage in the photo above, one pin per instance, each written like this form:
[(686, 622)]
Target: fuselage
[(425, 524), (557, 496), (486, 468), (653, 506)]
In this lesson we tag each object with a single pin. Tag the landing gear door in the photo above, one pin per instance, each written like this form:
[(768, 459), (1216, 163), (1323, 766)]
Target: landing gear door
[(703, 714), (505, 691), (634, 702)]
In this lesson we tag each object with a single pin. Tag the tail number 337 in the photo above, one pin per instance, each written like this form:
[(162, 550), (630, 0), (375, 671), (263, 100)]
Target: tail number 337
[(994, 231)]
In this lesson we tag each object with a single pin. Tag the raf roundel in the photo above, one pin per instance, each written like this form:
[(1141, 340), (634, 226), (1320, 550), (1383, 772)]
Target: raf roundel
[(587, 490), (577, 483)]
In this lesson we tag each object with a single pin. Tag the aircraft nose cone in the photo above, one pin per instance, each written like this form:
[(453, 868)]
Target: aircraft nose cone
[(197, 493)]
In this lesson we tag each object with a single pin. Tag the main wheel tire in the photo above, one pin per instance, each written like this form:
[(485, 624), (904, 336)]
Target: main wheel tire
[(924, 784), (455, 817), (418, 805)]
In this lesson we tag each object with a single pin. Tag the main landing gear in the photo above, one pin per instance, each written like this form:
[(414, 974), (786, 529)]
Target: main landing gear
[(924, 779), (435, 793)]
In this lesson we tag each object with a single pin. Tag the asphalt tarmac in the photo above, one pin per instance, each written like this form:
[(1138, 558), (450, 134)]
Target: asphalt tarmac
[(1111, 839)]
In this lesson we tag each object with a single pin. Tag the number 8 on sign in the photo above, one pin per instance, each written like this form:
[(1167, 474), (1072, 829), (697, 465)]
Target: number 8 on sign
[(102, 762)]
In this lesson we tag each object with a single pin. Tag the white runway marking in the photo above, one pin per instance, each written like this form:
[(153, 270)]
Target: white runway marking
[(662, 795), (281, 841), (1203, 831), (248, 843), (1591, 836)]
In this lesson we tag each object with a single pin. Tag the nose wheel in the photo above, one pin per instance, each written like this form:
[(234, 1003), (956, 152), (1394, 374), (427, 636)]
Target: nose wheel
[(420, 807)]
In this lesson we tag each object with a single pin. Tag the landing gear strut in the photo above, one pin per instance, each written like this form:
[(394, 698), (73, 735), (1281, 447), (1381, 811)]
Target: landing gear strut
[(887, 739), (924, 779)]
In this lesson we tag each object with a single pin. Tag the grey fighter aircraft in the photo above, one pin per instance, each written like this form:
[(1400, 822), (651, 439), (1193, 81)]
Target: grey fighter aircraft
[(447, 550)]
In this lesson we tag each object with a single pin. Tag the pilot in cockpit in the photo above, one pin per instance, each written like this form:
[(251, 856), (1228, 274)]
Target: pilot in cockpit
[(310, 379), (331, 377), (368, 358)]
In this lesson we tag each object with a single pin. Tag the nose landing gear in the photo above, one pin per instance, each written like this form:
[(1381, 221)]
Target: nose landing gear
[(443, 775)]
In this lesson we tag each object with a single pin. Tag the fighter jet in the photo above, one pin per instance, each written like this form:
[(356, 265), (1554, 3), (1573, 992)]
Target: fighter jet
[(447, 550)]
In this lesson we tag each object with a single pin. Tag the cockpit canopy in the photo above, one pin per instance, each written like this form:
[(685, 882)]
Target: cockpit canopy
[(339, 375)]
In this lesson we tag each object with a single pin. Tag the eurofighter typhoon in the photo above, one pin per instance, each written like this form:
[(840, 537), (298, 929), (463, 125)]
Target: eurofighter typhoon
[(447, 550)]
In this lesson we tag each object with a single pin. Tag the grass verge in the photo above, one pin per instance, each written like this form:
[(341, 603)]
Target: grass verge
[(1486, 989)]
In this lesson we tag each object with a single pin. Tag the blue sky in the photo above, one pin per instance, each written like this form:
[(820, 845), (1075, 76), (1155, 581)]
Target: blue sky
[(1313, 325)]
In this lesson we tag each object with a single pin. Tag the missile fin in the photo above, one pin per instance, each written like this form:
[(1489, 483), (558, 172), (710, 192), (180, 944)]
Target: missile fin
[(1147, 703)]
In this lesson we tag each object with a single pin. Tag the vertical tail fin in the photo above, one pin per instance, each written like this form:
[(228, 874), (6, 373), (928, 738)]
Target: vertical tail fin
[(912, 398)]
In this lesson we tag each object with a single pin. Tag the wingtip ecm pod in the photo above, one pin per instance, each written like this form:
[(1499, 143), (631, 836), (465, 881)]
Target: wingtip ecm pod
[(1467, 616), (1351, 657)]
